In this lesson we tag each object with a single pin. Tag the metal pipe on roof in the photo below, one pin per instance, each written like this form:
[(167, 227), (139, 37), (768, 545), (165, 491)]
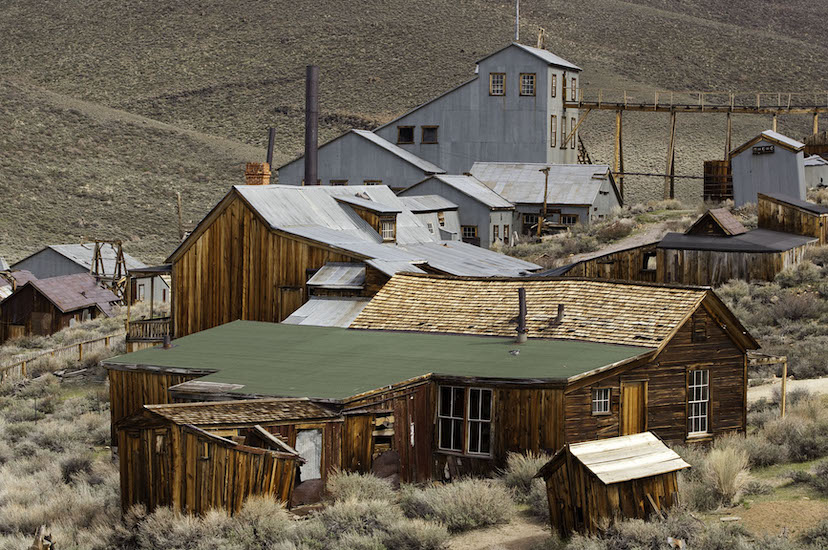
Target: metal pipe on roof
[(521, 328), (311, 123), (271, 139)]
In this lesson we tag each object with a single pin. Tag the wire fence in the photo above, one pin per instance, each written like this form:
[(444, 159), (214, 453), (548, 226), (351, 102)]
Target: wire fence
[(20, 368)]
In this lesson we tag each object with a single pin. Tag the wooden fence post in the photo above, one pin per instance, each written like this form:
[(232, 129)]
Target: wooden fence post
[(23, 368), (106, 342), (80, 351), (784, 380)]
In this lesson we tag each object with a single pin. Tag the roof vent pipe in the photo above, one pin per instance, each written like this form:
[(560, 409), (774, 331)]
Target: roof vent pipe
[(559, 318), (521, 328), (167, 342), (311, 124)]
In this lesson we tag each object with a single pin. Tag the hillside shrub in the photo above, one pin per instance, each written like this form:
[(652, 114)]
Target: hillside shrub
[(759, 450), (817, 536), (804, 430), (260, 521), (819, 480), (615, 230), (461, 505), (520, 470), (796, 307), (803, 273), (727, 472), (416, 534), (358, 516), (343, 486), (359, 541), (538, 501), (818, 255)]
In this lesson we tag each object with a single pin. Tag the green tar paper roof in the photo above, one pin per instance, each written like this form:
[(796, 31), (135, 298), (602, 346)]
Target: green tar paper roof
[(336, 363)]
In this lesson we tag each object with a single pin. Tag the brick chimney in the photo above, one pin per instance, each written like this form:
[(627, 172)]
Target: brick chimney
[(257, 173)]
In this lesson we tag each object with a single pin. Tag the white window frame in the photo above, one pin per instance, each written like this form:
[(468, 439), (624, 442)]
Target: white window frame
[(498, 89), (527, 84), (698, 402), (388, 230), (554, 86), (451, 416), (553, 130), (477, 423), (601, 401)]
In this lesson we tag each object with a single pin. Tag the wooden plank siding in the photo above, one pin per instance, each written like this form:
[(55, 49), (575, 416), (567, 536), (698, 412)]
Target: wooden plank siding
[(788, 218), (28, 312), (238, 268), (625, 265), (666, 388), (332, 441)]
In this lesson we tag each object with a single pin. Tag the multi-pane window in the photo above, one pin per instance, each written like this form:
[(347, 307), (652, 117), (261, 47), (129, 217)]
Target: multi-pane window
[(563, 132), (506, 235), (553, 130), (527, 83), (429, 134), (569, 219), (554, 85), (450, 415), (339, 182), (480, 421), (469, 407), (469, 231), (495, 233), (572, 133), (497, 83), (405, 134), (430, 227), (601, 401), (388, 228), (698, 402), (372, 182), (528, 221)]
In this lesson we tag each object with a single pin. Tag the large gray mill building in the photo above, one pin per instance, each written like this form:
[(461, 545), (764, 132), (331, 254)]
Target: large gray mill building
[(511, 111)]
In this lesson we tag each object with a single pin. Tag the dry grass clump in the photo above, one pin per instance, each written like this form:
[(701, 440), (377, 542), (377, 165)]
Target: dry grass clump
[(520, 470), (727, 470), (461, 505), (343, 486)]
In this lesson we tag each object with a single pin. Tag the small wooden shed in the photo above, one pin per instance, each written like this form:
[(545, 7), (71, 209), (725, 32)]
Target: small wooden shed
[(166, 463), (591, 484), (791, 215)]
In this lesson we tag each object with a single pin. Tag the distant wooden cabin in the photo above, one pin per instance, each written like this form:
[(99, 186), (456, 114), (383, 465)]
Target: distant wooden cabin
[(252, 256), (41, 307), (589, 485), (166, 460), (603, 359), (715, 249), (790, 215)]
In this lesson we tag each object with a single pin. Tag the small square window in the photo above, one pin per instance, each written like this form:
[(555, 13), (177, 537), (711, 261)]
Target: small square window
[(497, 83), (469, 231), (601, 401), (429, 134), (405, 134), (527, 84)]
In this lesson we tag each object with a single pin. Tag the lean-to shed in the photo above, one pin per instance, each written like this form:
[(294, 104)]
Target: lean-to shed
[(792, 215), (590, 484), (166, 460)]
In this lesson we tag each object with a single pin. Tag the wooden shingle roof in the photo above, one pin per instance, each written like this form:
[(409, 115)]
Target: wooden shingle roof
[(593, 310), (717, 221), (250, 411)]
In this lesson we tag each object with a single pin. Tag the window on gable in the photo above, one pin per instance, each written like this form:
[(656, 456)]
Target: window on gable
[(554, 85), (698, 402), (553, 130), (469, 407), (527, 83), (429, 134), (699, 328), (497, 83), (601, 401), (405, 134)]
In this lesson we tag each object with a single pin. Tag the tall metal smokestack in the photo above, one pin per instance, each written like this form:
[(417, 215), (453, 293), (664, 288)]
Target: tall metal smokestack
[(311, 123), (271, 141), (521, 328)]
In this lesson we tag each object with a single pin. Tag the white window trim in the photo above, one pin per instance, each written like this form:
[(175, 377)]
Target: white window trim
[(601, 401), (387, 230), (698, 402)]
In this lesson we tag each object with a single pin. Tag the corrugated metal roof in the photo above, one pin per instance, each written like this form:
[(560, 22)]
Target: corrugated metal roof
[(773, 137), (369, 205), (523, 183), (427, 203), (804, 205), (82, 254), (474, 188), (390, 267), (339, 275), (755, 241), (545, 55), (328, 311), (816, 160), (459, 258), (405, 155), (627, 457)]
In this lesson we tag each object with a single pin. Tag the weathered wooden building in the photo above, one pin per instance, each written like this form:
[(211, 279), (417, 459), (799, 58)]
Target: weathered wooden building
[(603, 359), (589, 485), (712, 251), (816, 171), (45, 306), (252, 255), (194, 460), (768, 163), (790, 215)]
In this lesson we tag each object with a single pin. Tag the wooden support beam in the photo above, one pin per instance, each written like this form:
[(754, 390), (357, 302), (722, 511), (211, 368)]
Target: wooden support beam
[(775, 121), (575, 129), (669, 180), (618, 162), (816, 122)]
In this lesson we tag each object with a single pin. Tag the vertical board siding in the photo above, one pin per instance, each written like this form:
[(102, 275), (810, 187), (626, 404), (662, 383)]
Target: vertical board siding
[(626, 265), (666, 388), (787, 218), (238, 268)]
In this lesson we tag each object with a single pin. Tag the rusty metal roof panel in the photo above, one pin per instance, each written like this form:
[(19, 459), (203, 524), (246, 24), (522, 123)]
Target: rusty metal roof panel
[(523, 183)]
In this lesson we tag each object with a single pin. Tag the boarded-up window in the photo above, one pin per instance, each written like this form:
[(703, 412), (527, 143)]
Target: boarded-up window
[(309, 447), (698, 402), (699, 327)]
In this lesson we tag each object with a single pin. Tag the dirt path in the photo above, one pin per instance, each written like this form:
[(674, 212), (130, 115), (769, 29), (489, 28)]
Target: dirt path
[(814, 385), (775, 517), (521, 534)]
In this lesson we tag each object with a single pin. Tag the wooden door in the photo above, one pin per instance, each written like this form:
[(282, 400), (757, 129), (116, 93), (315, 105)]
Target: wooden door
[(633, 407)]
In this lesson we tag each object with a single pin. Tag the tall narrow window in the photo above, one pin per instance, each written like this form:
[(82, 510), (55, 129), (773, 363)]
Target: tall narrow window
[(497, 83), (563, 132), (495, 233), (506, 235), (554, 85), (553, 130), (405, 134), (429, 134), (574, 95), (572, 133), (480, 421), (388, 230), (698, 402), (441, 219), (601, 401), (527, 83), (450, 415)]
